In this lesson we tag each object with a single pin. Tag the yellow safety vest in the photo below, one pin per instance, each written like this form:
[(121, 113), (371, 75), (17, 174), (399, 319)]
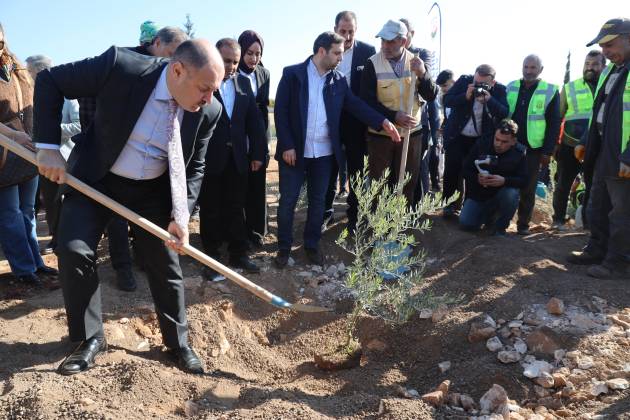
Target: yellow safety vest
[(393, 91), (625, 121), (536, 123)]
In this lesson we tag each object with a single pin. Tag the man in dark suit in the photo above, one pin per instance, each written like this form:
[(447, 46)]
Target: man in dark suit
[(309, 102), (352, 130), (477, 104), (136, 153), (224, 189)]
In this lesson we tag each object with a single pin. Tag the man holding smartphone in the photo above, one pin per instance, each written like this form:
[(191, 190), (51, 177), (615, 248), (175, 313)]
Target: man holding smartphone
[(495, 170)]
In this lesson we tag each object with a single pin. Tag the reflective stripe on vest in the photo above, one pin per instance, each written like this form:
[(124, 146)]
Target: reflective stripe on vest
[(579, 100), (536, 123), (625, 120), (393, 91)]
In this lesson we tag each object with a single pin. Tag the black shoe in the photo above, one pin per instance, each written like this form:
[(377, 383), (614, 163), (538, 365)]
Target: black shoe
[(523, 231), (244, 263), (125, 280), (314, 256), (83, 357), (584, 258), (47, 271), (30, 279), (256, 240), (282, 258), (211, 275), (49, 248), (187, 360)]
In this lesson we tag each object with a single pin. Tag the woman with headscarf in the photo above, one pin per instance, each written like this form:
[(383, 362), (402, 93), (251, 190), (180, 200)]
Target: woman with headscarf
[(18, 236), (250, 66)]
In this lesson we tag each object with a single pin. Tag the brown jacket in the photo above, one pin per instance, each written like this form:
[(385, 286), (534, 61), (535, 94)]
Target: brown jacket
[(9, 106)]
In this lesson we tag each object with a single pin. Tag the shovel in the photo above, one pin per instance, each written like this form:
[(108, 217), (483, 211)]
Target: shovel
[(164, 235)]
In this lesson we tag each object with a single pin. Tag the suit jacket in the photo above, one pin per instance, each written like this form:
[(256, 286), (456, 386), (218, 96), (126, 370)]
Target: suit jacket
[(353, 130), (121, 81), (291, 109), (461, 109), (245, 122)]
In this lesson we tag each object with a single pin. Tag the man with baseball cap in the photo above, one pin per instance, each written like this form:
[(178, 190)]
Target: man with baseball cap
[(607, 154), (386, 85)]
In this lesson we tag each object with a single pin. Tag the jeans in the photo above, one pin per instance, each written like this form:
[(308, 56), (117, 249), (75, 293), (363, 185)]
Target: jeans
[(497, 211), (18, 234), (316, 172)]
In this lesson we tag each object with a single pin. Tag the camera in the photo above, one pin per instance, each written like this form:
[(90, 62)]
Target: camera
[(488, 161), (479, 88)]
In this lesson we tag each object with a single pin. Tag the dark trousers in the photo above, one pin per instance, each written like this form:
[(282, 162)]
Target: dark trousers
[(256, 203), (528, 194), (568, 169), (356, 151), (117, 229), (336, 174), (316, 172), (434, 166), (454, 156), (222, 210), (384, 154), (81, 226), (609, 219)]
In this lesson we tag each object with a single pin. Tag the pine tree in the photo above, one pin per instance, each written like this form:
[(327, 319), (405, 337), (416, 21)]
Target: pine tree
[(188, 26), (567, 72)]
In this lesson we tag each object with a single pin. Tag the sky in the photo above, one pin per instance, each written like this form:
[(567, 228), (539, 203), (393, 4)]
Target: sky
[(500, 33)]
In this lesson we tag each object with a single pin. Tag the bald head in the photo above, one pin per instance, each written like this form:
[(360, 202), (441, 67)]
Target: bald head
[(195, 72), (532, 67)]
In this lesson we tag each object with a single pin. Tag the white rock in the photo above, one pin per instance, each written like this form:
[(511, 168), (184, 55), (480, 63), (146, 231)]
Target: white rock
[(494, 344), (331, 271), (124, 320), (488, 320), (598, 388), (509, 356), (305, 274), (559, 354), (535, 368), (514, 407), (413, 393), (617, 384), (317, 268), (519, 316), (520, 346), (494, 400), (444, 366), (585, 362), (529, 359), (426, 313), (515, 324), (341, 267)]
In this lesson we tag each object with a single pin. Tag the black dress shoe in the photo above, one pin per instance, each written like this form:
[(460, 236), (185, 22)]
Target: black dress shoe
[(47, 271), (125, 280), (48, 249), (30, 279), (314, 256), (83, 357), (187, 360), (244, 263), (282, 258)]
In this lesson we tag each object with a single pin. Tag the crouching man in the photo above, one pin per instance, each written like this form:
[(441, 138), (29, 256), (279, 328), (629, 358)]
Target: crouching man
[(495, 170)]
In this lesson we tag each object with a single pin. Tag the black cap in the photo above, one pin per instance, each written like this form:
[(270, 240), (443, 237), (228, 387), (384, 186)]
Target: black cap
[(611, 30)]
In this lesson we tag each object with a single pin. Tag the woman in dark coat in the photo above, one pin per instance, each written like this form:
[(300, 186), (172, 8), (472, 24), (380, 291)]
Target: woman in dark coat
[(250, 66)]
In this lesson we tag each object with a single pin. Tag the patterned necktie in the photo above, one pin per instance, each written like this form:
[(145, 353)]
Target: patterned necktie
[(177, 169)]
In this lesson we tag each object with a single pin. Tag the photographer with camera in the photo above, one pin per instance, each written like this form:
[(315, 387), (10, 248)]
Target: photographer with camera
[(495, 170), (477, 103)]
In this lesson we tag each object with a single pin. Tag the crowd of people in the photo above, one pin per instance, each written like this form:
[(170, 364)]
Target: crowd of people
[(176, 126)]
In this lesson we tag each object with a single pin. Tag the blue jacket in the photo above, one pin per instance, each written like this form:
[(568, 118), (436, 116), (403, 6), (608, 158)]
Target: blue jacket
[(461, 109), (291, 108)]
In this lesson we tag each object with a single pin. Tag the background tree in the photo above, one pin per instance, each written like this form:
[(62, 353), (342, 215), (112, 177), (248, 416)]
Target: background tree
[(188, 26)]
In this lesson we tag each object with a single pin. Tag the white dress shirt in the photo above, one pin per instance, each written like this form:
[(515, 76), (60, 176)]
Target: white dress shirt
[(145, 155), (228, 95), (346, 63), (252, 80), (317, 142), (473, 129)]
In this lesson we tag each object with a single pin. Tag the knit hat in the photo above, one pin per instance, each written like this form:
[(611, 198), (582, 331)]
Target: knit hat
[(148, 30)]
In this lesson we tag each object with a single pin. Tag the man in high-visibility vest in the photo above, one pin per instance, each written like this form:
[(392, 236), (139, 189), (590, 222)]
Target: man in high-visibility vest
[(534, 106), (576, 106), (607, 154)]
